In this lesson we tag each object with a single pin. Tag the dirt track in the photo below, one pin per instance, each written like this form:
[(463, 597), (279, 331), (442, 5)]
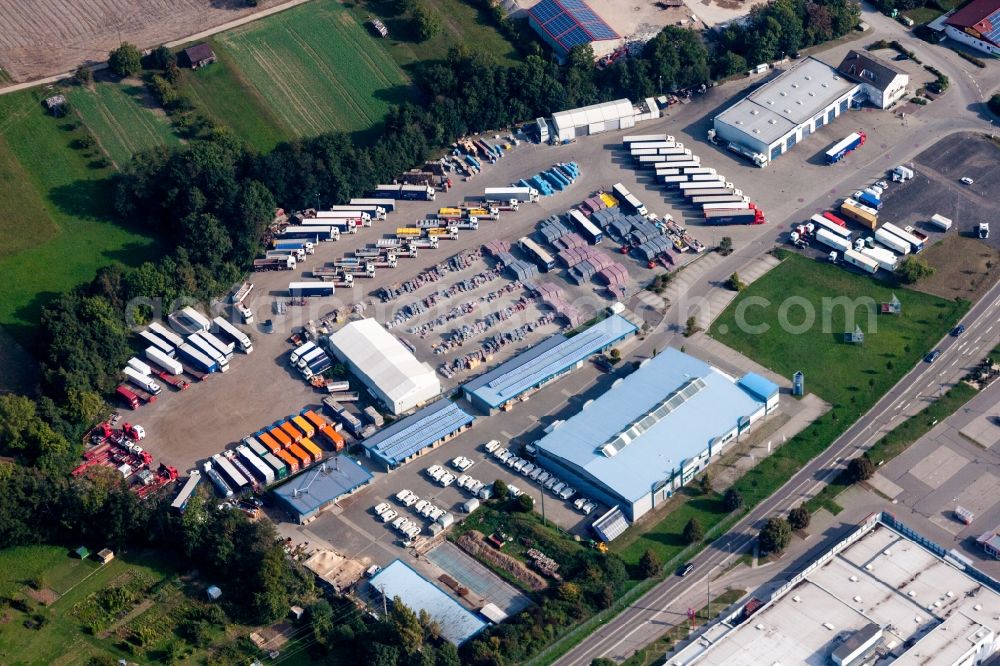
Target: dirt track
[(47, 37)]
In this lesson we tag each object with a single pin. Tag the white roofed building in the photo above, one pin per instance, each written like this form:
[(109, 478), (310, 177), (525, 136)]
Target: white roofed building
[(593, 119), (392, 373)]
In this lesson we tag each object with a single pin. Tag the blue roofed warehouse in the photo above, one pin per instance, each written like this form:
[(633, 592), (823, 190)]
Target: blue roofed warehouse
[(417, 433), (655, 430), (564, 24)]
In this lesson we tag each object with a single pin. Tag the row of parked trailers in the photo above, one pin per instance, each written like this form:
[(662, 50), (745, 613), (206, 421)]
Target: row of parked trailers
[(272, 454), (831, 230), (676, 167)]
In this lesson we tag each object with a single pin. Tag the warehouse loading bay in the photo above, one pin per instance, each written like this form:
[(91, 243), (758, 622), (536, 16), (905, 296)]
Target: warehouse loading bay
[(261, 388)]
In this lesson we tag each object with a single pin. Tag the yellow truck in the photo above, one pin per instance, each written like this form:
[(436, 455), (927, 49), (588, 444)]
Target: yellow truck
[(408, 232), (861, 214)]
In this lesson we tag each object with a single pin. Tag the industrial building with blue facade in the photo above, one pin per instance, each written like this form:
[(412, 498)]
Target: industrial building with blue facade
[(417, 433), (399, 580), (307, 494), (546, 361), (564, 24), (652, 432)]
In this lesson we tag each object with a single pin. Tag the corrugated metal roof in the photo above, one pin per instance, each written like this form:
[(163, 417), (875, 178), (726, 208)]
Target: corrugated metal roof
[(668, 410), (385, 362), (399, 580), (595, 113), (321, 485), (546, 360), (409, 435)]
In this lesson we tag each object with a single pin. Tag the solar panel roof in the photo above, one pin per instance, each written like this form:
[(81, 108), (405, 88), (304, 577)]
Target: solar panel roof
[(409, 435), (571, 22)]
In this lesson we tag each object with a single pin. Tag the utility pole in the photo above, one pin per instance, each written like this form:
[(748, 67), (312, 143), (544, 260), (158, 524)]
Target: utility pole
[(542, 493), (708, 579), (385, 604)]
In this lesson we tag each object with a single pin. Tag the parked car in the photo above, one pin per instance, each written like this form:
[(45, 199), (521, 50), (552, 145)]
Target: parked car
[(498, 453), (461, 463), (492, 446), (419, 506), (513, 490), (428, 510), (588, 507), (558, 488), (567, 492), (966, 180), (396, 524), (578, 504), (511, 461), (447, 479), (475, 487), (552, 481), (505, 456), (436, 513), (389, 515), (528, 469), (463, 480), (372, 570), (402, 495), (519, 465), (603, 364), (543, 477), (535, 473), (381, 508), (411, 500), (434, 471)]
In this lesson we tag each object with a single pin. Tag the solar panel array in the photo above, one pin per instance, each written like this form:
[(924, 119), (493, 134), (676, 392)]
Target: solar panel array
[(419, 431), (571, 22), (993, 23)]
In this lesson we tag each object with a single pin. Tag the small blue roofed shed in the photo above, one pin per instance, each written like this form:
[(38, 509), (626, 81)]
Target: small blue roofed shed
[(417, 433), (398, 579), (564, 24), (761, 388), (309, 493), (544, 362)]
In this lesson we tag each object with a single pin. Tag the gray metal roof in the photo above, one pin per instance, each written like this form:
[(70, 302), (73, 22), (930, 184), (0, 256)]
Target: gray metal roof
[(407, 436), (545, 360), (314, 489), (417, 593), (639, 431), (787, 101)]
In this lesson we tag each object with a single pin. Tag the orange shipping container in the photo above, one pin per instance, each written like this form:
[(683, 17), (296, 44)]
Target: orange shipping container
[(317, 420), (282, 437), (303, 457), (304, 426), (291, 431), (334, 437), (289, 459), (269, 442), (310, 447)]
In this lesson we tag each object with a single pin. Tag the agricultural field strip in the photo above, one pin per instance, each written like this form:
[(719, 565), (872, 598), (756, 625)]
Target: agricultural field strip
[(131, 127)]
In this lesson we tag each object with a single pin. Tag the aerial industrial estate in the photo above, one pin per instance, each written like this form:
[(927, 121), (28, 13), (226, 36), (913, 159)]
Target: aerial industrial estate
[(659, 335)]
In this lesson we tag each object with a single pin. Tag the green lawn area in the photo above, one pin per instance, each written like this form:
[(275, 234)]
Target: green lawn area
[(463, 24), (849, 376), (52, 624), (115, 114), (299, 73), (57, 228), (922, 15)]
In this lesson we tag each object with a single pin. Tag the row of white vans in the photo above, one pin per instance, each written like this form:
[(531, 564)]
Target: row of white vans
[(445, 478), (547, 481)]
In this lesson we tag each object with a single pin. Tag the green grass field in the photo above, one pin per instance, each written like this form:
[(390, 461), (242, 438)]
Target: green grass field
[(116, 116), (52, 601), (57, 227), (843, 374), (305, 71), (462, 25)]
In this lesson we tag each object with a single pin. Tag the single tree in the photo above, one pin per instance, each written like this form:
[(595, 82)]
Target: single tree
[(733, 500), (725, 246), (914, 269), (499, 489), (161, 57), (83, 75), (125, 60), (649, 564), (705, 484), (693, 533), (775, 535), (735, 283), (428, 23), (799, 517), (691, 327), (860, 468), (615, 355), (524, 503)]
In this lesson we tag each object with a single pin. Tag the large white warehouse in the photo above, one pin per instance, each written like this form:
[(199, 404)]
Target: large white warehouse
[(391, 372), (786, 110)]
